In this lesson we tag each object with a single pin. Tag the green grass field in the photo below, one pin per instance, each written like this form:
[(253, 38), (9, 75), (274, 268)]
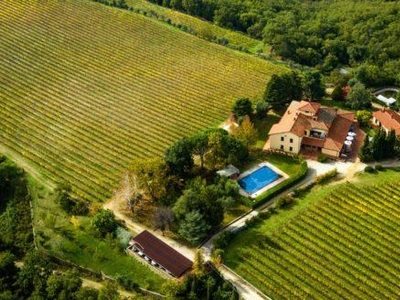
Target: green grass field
[(337, 242), (86, 88)]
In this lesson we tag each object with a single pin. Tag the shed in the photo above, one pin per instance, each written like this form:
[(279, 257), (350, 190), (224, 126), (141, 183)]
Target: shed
[(159, 253), (230, 171), (387, 101)]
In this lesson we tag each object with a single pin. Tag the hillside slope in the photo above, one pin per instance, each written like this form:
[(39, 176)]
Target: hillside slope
[(337, 242), (86, 88)]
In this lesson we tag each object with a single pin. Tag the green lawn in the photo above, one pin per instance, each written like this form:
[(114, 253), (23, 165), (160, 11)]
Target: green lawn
[(263, 126), (337, 242)]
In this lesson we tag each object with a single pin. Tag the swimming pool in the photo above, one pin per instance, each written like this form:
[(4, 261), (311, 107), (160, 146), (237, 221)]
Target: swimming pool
[(258, 179)]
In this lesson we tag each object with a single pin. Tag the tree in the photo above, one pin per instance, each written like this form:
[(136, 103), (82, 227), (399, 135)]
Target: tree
[(64, 198), (242, 107), (64, 286), (163, 218), (390, 144), (215, 157), (262, 108), (235, 152), (200, 146), (150, 177), (32, 278), (337, 93), (203, 199), (363, 117), (178, 158), (313, 85), (104, 222), (109, 291), (246, 133), (378, 145), (194, 228), (8, 271), (198, 263), (359, 97), (86, 293), (69, 204), (282, 89)]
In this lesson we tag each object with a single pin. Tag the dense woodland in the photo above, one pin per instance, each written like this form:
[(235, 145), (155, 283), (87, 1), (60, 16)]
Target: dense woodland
[(323, 34)]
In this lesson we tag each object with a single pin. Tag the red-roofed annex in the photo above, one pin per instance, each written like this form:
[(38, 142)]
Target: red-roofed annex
[(159, 254), (309, 125), (387, 119)]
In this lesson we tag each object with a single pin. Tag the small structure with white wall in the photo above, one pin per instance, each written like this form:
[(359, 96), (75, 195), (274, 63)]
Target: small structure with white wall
[(387, 101), (230, 171)]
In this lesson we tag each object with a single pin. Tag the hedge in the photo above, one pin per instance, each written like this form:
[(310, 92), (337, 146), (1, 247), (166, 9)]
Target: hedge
[(267, 195)]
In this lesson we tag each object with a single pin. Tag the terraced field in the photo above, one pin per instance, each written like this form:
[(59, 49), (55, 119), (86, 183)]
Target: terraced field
[(86, 88), (344, 246)]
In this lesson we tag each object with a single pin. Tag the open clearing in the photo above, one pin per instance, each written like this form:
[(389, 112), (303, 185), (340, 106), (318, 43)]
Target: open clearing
[(86, 88), (338, 242)]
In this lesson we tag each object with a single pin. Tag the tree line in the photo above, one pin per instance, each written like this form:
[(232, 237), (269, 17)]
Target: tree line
[(323, 34)]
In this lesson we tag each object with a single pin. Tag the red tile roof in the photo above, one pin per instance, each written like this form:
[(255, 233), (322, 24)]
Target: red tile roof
[(309, 141), (389, 119), (338, 132), (309, 106), (336, 122), (162, 253), (287, 121)]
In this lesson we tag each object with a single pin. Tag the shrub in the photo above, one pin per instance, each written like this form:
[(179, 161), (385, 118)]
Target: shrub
[(253, 221), (127, 283), (218, 256), (369, 169), (104, 222), (284, 201), (322, 158), (325, 177), (222, 240), (379, 167)]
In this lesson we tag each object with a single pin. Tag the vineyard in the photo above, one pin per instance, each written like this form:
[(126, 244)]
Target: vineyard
[(344, 246), (86, 88)]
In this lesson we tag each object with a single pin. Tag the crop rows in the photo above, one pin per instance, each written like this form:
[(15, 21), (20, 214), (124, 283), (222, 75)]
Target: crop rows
[(85, 89), (345, 246)]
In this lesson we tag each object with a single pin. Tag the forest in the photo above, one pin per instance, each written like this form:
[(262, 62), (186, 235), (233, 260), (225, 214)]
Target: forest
[(325, 34)]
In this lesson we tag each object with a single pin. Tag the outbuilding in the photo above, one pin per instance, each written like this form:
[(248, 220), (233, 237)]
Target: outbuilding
[(159, 254), (230, 171)]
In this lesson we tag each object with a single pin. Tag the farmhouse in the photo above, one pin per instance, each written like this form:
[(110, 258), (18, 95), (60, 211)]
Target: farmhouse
[(159, 254), (310, 126), (387, 119)]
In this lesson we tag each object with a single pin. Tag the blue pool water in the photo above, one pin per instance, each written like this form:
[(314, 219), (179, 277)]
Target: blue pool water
[(258, 179)]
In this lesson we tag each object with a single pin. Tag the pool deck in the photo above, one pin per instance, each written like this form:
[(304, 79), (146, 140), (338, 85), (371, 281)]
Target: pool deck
[(283, 177)]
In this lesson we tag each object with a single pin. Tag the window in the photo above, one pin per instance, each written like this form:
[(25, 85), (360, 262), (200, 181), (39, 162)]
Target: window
[(282, 138), (282, 147), (291, 149), (291, 141)]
